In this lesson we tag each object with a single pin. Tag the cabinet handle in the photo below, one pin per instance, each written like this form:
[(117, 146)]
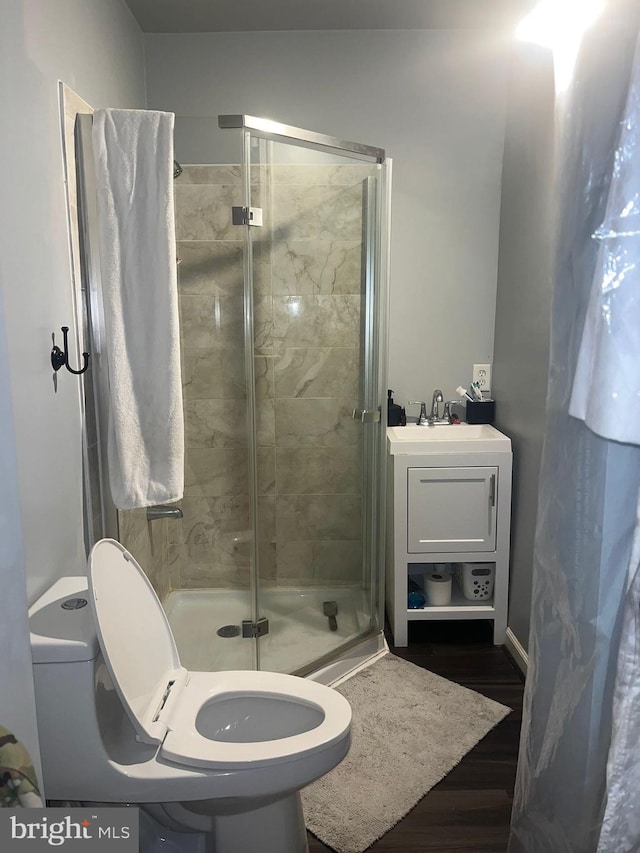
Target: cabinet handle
[(492, 490)]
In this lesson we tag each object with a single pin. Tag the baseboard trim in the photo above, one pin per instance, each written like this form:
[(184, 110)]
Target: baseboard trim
[(517, 652)]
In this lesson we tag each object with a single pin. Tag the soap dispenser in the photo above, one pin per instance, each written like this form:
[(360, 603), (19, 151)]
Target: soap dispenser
[(396, 415)]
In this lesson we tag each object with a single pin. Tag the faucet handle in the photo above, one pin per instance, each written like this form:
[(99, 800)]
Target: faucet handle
[(422, 417), (448, 414)]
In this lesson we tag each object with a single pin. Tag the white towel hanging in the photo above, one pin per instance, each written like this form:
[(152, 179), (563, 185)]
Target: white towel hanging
[(133, 152)]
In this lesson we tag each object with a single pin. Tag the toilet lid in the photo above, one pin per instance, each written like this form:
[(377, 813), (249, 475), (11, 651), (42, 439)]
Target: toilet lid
[(134, 634)]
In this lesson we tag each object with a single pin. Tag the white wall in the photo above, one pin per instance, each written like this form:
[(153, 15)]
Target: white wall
[(17, 703), (96, 47), (523, 306), (435, 100)]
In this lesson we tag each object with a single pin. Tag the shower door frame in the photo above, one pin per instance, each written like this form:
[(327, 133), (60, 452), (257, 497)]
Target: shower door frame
[(376, 233), (352, 653)]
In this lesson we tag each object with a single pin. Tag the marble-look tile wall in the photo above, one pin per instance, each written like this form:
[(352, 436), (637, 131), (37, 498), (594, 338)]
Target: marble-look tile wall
[(148, 542), (307, 260), (209, 547)]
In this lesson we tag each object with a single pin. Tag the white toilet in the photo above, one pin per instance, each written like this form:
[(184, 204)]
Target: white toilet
[(223, 754)]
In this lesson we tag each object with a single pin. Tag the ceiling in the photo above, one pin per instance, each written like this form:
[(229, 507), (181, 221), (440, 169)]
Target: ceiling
[(202, 16)]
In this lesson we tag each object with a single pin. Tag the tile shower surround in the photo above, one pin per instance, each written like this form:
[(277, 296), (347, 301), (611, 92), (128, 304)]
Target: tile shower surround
[(307, 331)]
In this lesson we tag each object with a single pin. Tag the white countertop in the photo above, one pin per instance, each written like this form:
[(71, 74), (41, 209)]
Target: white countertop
[(446, 438)]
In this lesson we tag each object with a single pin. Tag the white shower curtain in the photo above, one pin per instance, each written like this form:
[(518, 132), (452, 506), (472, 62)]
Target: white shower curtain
[(609, 359), (581, 729)]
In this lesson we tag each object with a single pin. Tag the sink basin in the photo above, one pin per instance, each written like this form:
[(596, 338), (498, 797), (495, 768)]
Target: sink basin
[(446, 438)]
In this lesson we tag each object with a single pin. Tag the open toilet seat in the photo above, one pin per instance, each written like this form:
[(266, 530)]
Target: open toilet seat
[(281, 699), (211, 720)]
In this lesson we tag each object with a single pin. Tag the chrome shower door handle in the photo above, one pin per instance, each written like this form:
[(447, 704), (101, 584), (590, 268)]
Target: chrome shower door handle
[(367, 416), (163, 511)]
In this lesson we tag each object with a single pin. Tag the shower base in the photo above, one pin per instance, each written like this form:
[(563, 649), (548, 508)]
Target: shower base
[(299, 632)]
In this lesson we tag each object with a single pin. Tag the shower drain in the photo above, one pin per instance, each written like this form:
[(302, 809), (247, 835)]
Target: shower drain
[(229, 631)]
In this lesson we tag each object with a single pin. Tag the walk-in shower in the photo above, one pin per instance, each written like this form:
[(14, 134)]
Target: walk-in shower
[(276, 559)]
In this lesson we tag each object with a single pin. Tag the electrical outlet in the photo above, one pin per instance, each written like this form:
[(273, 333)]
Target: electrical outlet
[(482, 375)]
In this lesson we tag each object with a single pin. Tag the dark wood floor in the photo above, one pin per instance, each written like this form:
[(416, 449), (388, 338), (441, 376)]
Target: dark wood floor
[(469, 810)]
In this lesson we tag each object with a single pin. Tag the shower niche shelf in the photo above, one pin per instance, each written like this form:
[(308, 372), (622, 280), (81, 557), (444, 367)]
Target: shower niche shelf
[(447, 506)]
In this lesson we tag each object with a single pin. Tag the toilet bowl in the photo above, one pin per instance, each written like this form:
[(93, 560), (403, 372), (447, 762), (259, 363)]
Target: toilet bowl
[(224, 754)]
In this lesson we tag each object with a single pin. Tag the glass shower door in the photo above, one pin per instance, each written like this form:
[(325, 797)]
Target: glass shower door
[(312, 315), (210, 550)]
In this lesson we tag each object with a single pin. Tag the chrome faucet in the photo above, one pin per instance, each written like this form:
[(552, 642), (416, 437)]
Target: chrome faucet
[(435, 411), (425, 419)]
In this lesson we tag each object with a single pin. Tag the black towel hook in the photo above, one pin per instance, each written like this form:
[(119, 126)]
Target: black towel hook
[(60, 358)]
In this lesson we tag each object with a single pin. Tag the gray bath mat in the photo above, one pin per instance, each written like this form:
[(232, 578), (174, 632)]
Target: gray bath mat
[(410, 728)]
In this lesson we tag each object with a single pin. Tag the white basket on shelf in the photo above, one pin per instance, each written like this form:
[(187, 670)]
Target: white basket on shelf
[(476, 580)]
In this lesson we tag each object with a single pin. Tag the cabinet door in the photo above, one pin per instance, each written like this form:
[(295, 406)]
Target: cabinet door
[(451, 509)]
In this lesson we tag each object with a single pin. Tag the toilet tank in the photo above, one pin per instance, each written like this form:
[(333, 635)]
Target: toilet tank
[(65, 653), (61, 624), (87, 744)]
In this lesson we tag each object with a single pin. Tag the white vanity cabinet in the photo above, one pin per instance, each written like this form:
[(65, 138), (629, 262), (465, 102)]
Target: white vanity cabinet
[(449, 503), (451, 509)]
